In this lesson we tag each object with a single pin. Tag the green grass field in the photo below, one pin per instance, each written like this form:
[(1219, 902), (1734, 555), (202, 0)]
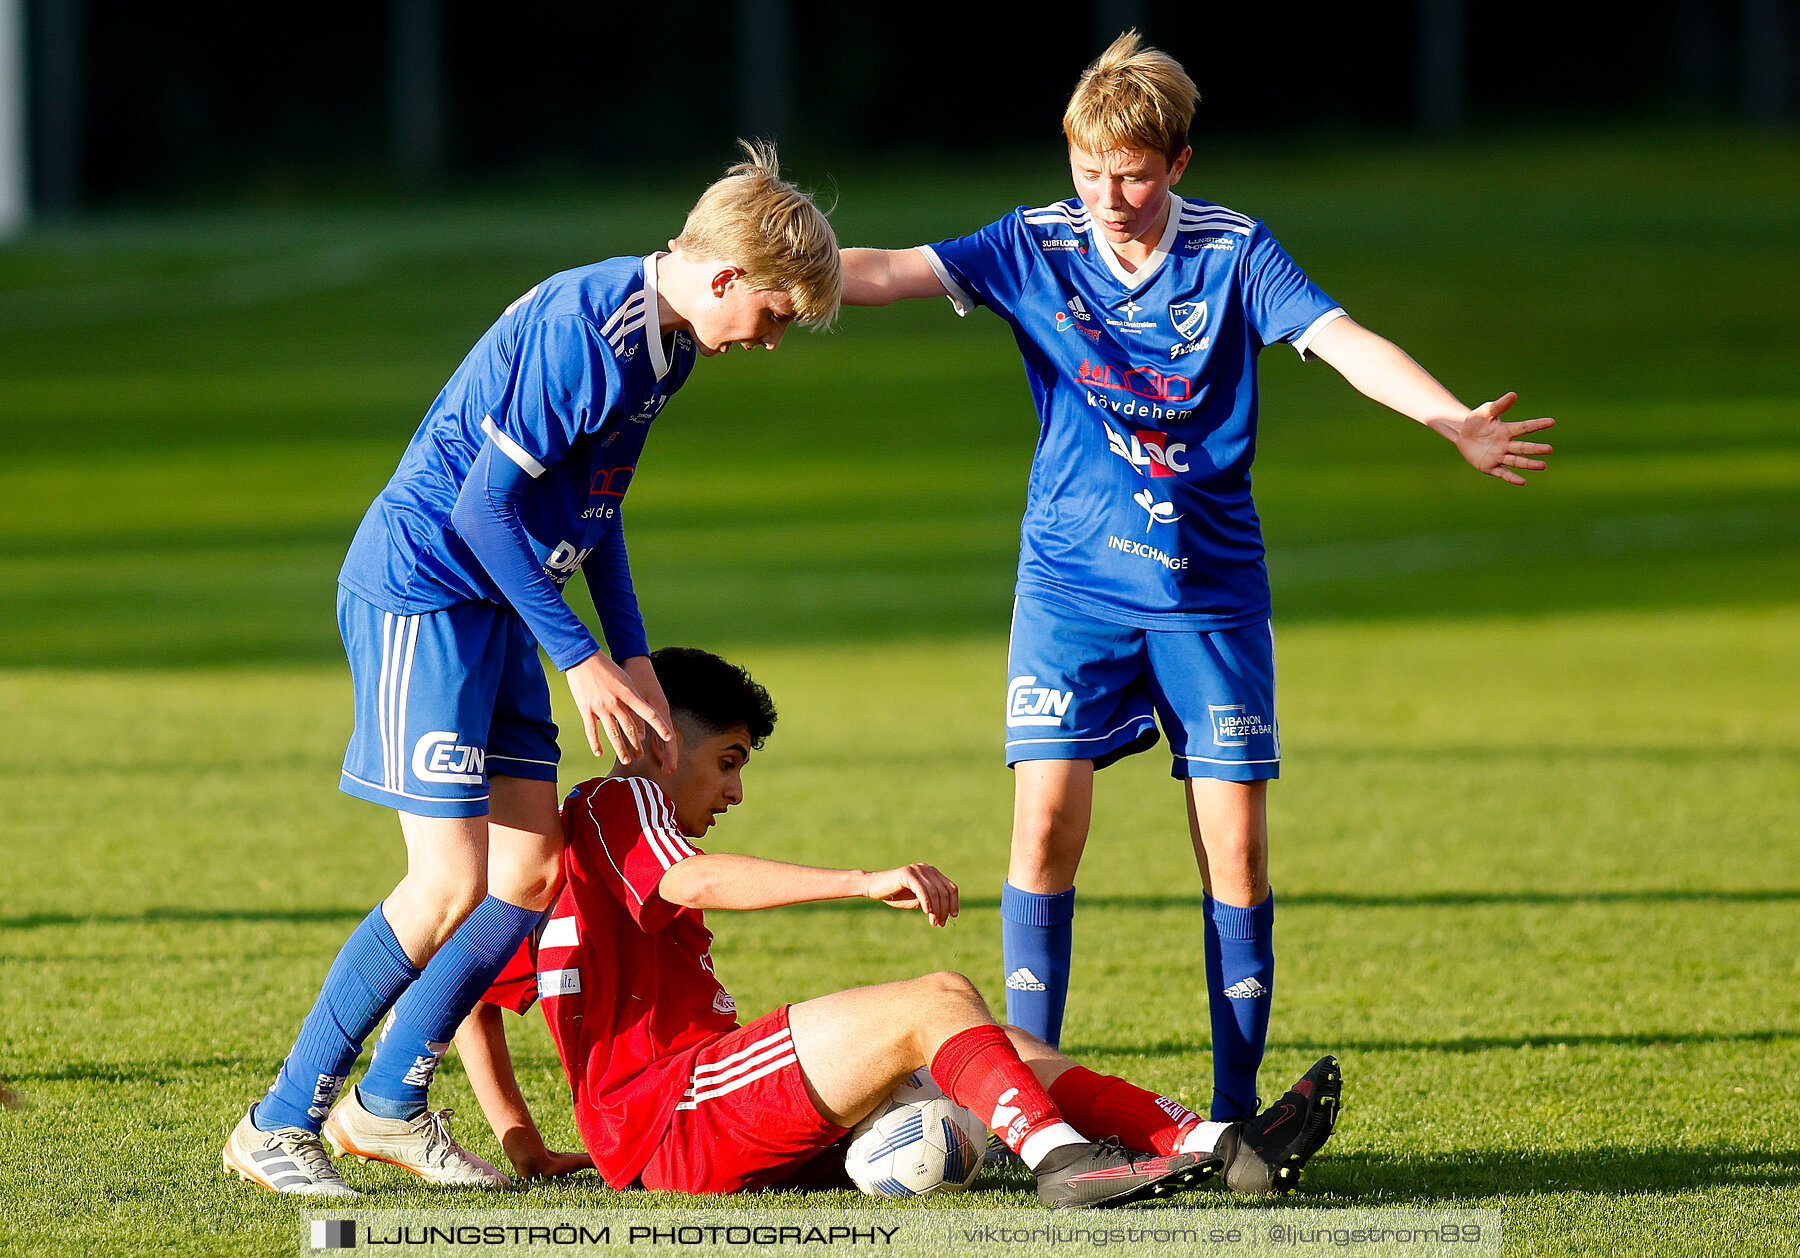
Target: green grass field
[(1535, 843)]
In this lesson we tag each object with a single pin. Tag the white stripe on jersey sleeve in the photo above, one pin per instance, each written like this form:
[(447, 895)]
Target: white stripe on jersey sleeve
[(960, 301), (512, 449), (672, 832), (622, 333), (1303, 342), (1057, 212), (656, 822), (1216, 222), (633, 304), (594, 820)]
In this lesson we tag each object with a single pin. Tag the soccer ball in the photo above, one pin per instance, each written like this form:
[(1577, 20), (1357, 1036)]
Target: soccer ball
[(920, 1142)]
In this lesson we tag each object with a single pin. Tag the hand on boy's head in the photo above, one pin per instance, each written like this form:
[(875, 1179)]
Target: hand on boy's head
[(613, 713), (664, 749)]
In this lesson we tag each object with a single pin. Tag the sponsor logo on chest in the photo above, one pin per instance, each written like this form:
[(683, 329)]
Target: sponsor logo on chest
[(1150, 451), (1131, 323)]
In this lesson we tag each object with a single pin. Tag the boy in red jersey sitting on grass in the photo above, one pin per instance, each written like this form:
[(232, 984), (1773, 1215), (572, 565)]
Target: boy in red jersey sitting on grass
[(671, 1093)]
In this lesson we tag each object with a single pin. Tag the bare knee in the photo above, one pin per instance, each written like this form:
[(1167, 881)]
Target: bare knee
[(948, 989), (529, 884), (424, 911), (1052, 806)]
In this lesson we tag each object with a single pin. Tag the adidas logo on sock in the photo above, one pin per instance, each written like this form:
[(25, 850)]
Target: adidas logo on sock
[(1023, 980), (1248, 989)]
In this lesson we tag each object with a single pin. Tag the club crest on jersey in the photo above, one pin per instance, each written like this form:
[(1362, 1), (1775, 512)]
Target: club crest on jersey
[(1150, 451), (438, 757), (1188, 317)]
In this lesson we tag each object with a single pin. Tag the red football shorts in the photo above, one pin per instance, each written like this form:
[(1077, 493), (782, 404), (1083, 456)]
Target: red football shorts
[(744, 1121)]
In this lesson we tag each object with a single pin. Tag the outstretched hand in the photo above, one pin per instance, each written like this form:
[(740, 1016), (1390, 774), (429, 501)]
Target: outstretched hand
[(612, 708), (1492, 445), (921, 887)]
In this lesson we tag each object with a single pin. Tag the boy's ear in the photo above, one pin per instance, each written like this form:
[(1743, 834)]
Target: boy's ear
[(722, 278), (1175, 171), (661, 750)]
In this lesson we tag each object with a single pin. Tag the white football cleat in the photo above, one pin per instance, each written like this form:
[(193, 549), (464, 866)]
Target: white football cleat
[(287, 1160), (422, 1145)]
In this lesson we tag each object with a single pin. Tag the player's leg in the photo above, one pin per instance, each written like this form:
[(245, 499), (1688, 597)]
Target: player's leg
[(1052, 804), (1076, 699), (1257, 1157), (855, 1046), (1103, 1106), (1216, 695), (523, 854), (407, 673), (377, 964), (524, 848)]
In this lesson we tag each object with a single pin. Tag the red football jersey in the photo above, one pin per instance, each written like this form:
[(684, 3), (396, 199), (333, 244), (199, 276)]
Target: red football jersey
[(626, 977)]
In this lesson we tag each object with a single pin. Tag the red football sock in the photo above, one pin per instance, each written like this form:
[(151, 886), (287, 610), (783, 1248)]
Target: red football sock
[(980, 1070), (1103, 1106)]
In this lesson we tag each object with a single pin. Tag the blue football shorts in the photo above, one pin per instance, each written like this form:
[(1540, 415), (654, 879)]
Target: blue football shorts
[(443, 700), (1086, 689)]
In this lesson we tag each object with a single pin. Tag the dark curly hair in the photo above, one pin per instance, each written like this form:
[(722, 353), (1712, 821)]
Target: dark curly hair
[(712, 693)]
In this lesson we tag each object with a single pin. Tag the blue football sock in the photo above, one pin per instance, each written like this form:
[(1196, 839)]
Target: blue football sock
[(369, 974), (1036, 938), (426, 1018), (1240, 986)]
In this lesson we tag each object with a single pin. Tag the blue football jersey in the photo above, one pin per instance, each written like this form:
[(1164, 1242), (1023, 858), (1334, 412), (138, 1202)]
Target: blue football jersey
[(565, 385), (1139, 508)]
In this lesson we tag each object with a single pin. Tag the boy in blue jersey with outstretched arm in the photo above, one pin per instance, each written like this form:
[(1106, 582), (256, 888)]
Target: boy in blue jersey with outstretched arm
[(513, 482), (1142, 592)]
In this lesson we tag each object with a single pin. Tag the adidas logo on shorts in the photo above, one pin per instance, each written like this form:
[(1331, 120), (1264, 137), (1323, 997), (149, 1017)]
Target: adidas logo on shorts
[(1023, 980)]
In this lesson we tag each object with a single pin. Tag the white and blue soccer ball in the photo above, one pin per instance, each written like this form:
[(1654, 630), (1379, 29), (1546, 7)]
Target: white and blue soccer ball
[(921, 1142)]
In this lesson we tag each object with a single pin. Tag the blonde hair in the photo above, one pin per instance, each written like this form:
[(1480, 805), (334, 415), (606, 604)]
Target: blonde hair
[(1131, 97), (758, 221)]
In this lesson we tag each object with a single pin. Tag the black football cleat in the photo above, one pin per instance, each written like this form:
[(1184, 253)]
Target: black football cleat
[(1264, 1156), (1095, 1176), (1001, 1158)]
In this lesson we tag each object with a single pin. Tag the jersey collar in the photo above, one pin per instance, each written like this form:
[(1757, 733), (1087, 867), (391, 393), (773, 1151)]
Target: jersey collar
[(1133, 280), (659, 358)]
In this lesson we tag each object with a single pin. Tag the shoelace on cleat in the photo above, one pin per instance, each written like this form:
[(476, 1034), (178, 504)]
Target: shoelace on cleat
[(308, 1151), (1113, 1145), (438, 1139)]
